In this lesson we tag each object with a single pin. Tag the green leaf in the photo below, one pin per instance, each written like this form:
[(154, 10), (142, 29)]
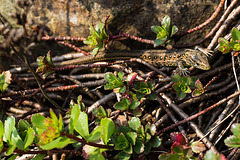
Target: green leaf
[(152, 96), (64, 141), (154, 29), (185, 88), (235, 34), (174, 30), (5, 80), (224, 46), (147, 148), (150, 128), (210, 155), (23, 125), (95, 134), (29, 137), (155, 141), (181, 95), (97, 155), (176, 78), (13, 157), (122, 142), (162, 157), (174, 157), (38, 157), (123, 105), (186, 79), (82, 125), (122, 156), (197, 92), (236, 129), (120, 106), (38, 121), (51, 145), (75, 111), (198, 84), (129, 149), (9, 126), (10, 150), (177, 148), (131, 136), (197, 147), (147, 137), (122, 89), (134, 123), (109, 129), (16, 139), (159, 42), (134, 104), (232, 141), (166, 21), (120, 75), (95, 51), (1, 130), (176, 86), (139, 147)]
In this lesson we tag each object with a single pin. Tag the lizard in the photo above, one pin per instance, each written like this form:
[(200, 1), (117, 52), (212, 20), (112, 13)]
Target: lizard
[(196, 58)]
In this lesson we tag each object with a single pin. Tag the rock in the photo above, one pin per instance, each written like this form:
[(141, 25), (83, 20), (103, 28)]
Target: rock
[(135, 17)]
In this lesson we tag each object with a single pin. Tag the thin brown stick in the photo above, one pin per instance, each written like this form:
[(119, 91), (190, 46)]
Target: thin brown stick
[(202, 112), (213, 16), (193, 125), (223, 18)]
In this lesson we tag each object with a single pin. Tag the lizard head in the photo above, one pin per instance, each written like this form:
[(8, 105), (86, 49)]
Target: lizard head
[(199, 60)]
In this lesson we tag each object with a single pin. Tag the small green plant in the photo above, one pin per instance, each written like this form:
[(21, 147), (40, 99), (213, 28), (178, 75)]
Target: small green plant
[(5, 80), (98, 38), (133, 93), (135, 139), (45, 65), (232, 45), (182, 85), (165, 33), (234, 140), (181, 150)]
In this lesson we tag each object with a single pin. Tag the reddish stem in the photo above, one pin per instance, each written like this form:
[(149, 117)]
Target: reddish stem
[(83, 141)]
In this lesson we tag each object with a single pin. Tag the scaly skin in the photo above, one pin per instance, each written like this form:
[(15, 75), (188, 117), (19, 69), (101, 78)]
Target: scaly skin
[(158, 58)]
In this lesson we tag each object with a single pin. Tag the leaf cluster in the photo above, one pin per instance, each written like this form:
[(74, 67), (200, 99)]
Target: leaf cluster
[(183, 85), (45, 65), (132, 92), (135, 139), (232, 45), (98, 38), (165, 33)]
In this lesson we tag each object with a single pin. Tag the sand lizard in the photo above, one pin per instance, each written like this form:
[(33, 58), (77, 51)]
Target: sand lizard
[(182, 57)]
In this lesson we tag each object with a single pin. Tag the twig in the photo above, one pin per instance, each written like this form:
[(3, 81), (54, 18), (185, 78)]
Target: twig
[(202, 112), (174, 119), (83, 141), (73, 47), (227, 22), (138, 39), (214, 15), (24, 59), (219, 32), (193, 125), (55, 89), (101, 101), (217, 125), (59, 38)]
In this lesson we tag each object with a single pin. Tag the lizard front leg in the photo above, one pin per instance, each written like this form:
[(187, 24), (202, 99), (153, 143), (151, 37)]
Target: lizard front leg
[(181, 70)]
